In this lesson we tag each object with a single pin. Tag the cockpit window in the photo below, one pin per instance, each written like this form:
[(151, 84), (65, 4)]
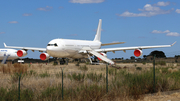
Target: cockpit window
[(52, 44), (55, 44), (49, 44)]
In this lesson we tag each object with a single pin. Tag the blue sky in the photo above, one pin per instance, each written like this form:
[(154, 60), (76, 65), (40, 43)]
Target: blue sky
[(33, 23)]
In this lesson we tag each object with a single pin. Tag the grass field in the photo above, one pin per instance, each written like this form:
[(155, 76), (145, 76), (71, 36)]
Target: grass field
[(128, 82)]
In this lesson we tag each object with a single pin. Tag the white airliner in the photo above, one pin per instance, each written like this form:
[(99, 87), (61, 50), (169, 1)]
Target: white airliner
[(67, 48), (8, 54)]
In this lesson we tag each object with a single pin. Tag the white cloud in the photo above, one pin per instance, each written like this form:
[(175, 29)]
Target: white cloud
[(168, 33), (2, 32), (161, 3), (12, 22), (149, 7), (158, 32), (27, 14), (47, 8), (86, 1), (177, 10), (147, 11), (129, 14), (173, 34)]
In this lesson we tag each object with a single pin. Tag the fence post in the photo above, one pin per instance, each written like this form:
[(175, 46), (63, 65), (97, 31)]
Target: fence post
[(19, 87), (106, 78), (154, 79), (62, 82)]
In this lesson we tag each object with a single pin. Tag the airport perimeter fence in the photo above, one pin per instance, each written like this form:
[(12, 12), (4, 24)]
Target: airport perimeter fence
[(15, 87), (107, 83)]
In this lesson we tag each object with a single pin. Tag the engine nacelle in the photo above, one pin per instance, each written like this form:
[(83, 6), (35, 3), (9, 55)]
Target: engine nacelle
[(138, 52), (21, 53), (103, 54), (44, 56)]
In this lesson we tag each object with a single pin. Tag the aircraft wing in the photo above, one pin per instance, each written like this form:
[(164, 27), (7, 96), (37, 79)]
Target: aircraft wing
[(26, 48), (114, 43), (131, 48), (88, 50), (101, 57)]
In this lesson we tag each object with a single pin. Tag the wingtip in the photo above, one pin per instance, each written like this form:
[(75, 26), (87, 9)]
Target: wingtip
[(173, 43)]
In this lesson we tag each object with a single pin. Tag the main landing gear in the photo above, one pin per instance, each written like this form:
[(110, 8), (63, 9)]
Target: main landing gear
[(94, 60), (62, 61)]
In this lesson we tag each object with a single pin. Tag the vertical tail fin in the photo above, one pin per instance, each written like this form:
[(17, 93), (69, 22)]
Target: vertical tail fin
[(98, 33)]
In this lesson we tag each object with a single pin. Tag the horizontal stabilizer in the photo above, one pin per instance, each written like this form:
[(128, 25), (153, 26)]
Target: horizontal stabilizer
[(114, 43)]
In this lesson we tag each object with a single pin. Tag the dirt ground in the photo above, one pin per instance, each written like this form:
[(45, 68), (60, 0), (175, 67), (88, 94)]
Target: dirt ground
[(163, 96)]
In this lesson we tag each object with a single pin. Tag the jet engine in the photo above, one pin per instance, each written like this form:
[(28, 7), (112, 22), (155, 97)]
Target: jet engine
[(103, 54), (138, 52), (44, 56), (21, 53)]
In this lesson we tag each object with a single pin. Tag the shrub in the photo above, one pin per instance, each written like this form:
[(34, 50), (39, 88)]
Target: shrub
[(87, 63), (125, 67), (58, 75), (138, 68), (111, 71), (83, 68), (95, 77), (55, 63), (15, 77), (77, 77), (162, 63), (144, 63), (32, 72), (12, 95)]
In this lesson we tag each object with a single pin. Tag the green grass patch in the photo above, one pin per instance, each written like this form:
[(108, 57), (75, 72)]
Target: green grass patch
[(45, 74)]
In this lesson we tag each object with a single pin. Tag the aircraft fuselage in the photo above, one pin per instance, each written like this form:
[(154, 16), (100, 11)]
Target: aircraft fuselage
[(11, 52), (62, 48)]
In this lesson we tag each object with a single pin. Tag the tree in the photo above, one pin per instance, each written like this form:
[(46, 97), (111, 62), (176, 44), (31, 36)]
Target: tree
[(144, 56), (159, 54), (132, 57)]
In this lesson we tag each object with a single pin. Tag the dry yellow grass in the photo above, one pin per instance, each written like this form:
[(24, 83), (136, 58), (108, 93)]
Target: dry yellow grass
[(170, 70), (173, 70), (38, 84)]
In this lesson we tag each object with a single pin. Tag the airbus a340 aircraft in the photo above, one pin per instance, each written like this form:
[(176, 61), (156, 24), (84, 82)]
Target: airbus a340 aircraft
[(8, 54), (67, 48)]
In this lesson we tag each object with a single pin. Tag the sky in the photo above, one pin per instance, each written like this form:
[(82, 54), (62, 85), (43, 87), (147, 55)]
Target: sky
[(33, 23)]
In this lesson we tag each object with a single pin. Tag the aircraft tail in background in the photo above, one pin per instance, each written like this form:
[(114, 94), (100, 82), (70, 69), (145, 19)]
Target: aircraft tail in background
[(98, 33)]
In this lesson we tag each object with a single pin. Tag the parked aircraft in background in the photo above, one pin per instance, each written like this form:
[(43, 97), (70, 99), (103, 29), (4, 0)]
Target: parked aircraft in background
[(8, 54), (67, 48)]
